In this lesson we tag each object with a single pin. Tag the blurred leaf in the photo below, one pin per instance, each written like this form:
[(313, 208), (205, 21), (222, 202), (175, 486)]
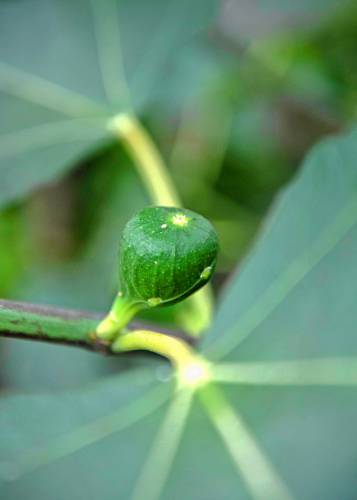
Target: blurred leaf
[(306, 241), (94, 413), (64, 71), (71, 283), (292, 300), (88, 281), (249, 21)]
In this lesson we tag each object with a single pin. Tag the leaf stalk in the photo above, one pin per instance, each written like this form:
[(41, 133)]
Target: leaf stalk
[(197, 316)]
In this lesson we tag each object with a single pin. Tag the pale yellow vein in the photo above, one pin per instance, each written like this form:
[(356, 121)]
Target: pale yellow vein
[(45, 93), (324, 371), (52, 133), (258, 473), (107, 32), (161, 456)]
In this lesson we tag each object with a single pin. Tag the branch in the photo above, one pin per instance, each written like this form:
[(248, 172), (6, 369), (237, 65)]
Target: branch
[(21, 320)]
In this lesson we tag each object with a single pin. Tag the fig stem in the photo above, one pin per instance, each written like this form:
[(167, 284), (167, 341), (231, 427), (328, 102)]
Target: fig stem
[(197, 316), (120, 314), (191, 370), (174, 349)]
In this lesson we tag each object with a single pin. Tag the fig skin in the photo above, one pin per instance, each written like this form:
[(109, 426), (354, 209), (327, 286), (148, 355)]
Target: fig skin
[(166, 254)]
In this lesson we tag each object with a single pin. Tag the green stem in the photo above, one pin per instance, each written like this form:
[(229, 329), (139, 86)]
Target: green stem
[(174, 349), (191, 370), (122, 311), (147, 159), (74, 328), (27, 321), (197, 315), (22, 320)]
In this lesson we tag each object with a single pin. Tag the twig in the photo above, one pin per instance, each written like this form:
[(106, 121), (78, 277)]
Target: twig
[(22, 320)]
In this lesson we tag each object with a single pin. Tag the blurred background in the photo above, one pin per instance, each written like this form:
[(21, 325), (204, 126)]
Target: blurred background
[(234, 108)]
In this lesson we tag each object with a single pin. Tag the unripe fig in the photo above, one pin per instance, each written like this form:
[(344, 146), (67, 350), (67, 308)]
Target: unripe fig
[(166, 254)]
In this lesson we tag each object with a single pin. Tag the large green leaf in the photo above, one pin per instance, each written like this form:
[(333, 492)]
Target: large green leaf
[(111, 409), (300, 277), (294, 299), (279, 421), (65, 69)]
